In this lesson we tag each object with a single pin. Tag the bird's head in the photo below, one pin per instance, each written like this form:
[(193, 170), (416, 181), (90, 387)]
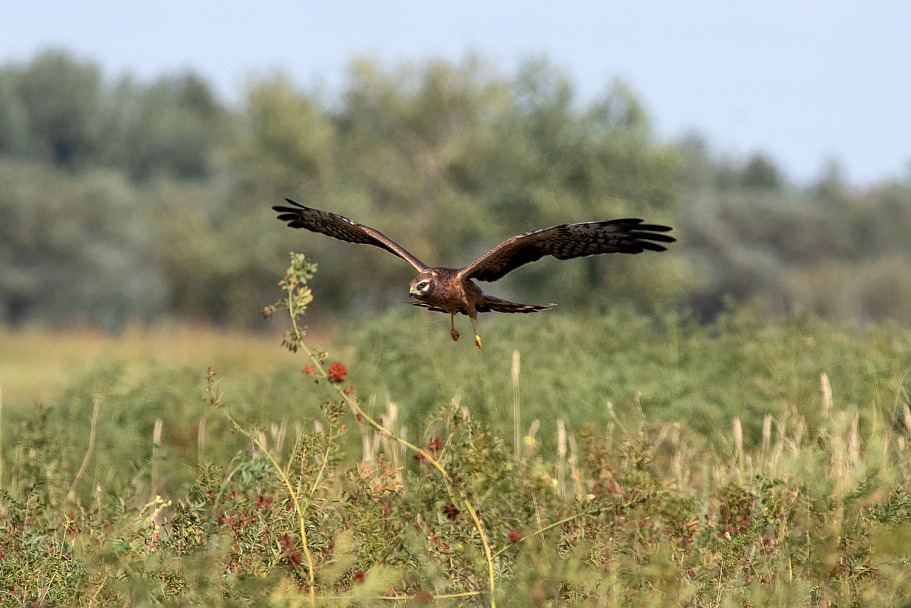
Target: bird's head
[(422, 286)]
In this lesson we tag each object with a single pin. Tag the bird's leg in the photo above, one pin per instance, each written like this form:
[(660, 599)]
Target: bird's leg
[(474, 326), (453, 333)]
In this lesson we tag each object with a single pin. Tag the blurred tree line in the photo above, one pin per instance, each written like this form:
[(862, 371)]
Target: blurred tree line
[(144, 201)]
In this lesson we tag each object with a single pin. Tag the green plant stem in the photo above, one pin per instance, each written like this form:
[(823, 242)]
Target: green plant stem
[(322, 470), (71, 494), (543, 530), (485, 543), (311, 580), (294, 311)]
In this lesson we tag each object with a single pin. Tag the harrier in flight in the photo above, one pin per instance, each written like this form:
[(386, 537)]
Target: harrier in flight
[(451, 290)]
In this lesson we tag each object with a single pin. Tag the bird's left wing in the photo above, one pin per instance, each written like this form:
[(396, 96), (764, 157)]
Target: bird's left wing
[(343, 229), (565, 242)]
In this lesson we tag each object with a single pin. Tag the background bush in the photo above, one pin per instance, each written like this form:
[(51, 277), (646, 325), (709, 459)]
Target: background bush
[(748, 448), (127, 200), (740, 462)]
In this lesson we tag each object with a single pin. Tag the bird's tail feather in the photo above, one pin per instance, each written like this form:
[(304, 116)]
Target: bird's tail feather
[(490, 303), (493, 303)]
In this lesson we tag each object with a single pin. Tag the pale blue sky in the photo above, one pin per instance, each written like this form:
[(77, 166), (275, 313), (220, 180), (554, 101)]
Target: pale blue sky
[(803, 81)]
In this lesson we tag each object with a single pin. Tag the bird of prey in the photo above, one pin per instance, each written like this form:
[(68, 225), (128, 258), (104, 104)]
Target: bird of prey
[(452, 290)]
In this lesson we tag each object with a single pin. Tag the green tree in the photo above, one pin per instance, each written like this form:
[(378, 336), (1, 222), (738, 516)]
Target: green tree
[(158, 195), (74, 249), (62, 97), (288, 143), (172, 127), (14, 127), (761, 173)]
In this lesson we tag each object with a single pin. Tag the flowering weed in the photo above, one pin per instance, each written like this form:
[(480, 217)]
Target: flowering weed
[(350, 504)]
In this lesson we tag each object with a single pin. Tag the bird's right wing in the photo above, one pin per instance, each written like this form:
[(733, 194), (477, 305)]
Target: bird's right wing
[(343, 229)]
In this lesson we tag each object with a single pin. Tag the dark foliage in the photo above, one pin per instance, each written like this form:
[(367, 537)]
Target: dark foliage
[(127, 200)]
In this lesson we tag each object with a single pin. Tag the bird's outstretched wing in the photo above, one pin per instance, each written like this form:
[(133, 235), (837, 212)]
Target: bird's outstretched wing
[(565, 242), (343, 229)]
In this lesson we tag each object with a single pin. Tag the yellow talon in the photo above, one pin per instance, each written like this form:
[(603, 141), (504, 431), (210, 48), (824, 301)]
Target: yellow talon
[(477, 340)]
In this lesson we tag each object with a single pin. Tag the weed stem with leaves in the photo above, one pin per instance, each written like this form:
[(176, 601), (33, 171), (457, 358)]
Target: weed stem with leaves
[(297, 297), (282, 474)]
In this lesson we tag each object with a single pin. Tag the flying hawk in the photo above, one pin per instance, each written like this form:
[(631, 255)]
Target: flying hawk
[(451, 290)]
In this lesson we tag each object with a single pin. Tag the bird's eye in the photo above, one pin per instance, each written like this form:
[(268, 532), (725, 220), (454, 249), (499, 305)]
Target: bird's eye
[(423, 285)]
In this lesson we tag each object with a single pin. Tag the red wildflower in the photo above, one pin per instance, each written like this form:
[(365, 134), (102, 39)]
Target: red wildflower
[(309, 370), (337, 372), (514, 536), (359, 577), (348, 391), (451, 512), (264, 501), (434, 445)]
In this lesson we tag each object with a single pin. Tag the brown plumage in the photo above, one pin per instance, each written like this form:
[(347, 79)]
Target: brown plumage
[(451, 290)]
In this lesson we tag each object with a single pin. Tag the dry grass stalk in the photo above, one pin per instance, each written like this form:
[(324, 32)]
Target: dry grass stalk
[(681, 455), (156, 443), (738, 446), (279, 432), (766, 437), (200, 440), (574, 471), (96, 403), (516, 406), (854, 442), (826, 390), (561, 456)]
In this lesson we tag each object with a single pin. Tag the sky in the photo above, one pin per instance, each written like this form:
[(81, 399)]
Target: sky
[(807, 83)]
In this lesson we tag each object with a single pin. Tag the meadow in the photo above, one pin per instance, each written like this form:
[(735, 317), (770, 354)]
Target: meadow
[(622, 459)]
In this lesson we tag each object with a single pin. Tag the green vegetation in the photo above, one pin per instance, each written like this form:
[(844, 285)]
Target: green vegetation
[(126, 202), (724, 425), (675, 464)]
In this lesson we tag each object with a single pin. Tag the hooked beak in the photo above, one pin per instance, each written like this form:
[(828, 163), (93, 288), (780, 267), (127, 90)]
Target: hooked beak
[(412, 292)]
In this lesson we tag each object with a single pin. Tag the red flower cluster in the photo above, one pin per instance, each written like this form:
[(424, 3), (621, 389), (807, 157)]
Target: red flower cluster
[(293, 556), (337, 372), (451, 512), (514, 536), (434, 445)]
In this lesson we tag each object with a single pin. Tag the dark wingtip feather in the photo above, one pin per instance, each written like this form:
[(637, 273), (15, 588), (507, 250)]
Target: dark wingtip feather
[(654, 228), (292, 215), (662, 238), (651, 246), (647, 233)]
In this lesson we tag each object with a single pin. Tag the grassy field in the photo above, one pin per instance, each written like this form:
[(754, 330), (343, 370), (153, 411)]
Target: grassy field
[(620, 460)]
